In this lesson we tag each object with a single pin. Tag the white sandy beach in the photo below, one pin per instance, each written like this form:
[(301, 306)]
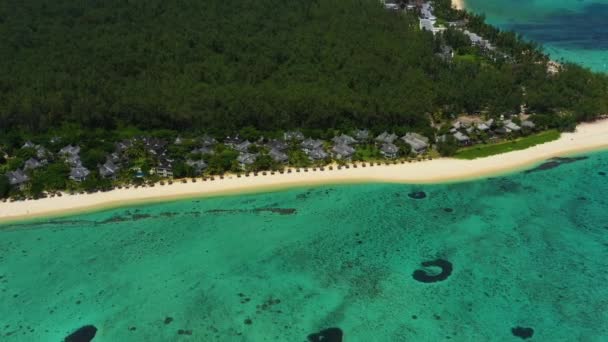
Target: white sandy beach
[(458, 4), (588, 137)]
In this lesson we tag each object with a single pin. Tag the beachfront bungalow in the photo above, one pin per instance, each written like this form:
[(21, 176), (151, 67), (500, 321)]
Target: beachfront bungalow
[(528, 124), (462, 139), (311, 144), (343, 152), (164, 168), (33, 163), (361, 135), (477, 40), (510, 125), (42, 153), (446, 54), (293, 136), (73, 160), (114, 157), (243, 146), (203, 150), (389, 150), (28, 144), (391, 6), (207, 140), (426, 11), (245, 159), (276, 144), (483, 127), (317, 154), (344, 140), (155, 146), (278, 156), (122, 146), (386, 138), (232, 141), (417, 142), (198, 165), (17, 178), (79, 173), (69, 151), (108, 169)]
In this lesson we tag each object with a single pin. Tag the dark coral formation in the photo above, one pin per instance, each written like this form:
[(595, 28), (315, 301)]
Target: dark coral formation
[(84, 334), (280, 211), (523, 333), (448, 210), (327, 335), (555, 162), (417, 195), (424, 277), (601, 173)]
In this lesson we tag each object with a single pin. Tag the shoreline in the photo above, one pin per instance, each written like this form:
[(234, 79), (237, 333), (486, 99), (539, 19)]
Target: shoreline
[(588, 137)]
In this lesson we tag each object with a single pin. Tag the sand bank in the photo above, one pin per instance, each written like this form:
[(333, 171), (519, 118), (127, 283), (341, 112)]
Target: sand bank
[(458, 4), (588, 137)]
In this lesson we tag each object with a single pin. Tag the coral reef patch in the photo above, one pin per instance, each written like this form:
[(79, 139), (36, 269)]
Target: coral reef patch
[(523, 333), (417, 195), (424, 276), (84, 334), (555, 162), (327, 335)]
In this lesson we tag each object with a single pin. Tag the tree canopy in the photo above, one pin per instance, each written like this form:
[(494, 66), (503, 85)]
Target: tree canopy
[(222, 65)]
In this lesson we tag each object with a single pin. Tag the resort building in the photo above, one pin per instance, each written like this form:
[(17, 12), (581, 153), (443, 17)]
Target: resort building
[(79, 173), (278, 156), (164, 168), (245, 159), (343, 152), (276, 144), (317, 154), (528, 124), (389, 150), (462, 139), (386, 138), (293, 136), (417, 142), (198, 165), (344, 140), (243, 146), (511, 126), (207, 140), (361, 135), (311, 144), (108, 169), (28, 144), (203, 150), (17, 178), (69, 151), (32, 164)]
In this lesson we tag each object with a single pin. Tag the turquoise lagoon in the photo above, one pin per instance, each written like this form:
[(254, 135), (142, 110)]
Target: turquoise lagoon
[(572, 30), (528, 249)]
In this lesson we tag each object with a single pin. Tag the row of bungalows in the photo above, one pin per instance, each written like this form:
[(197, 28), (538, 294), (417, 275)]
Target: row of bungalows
[(477, 40), (428, 20), (493, 128), (71, 155), (419, 144)]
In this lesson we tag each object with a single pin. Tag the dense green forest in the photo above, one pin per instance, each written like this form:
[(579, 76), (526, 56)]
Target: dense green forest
[(218, 66)]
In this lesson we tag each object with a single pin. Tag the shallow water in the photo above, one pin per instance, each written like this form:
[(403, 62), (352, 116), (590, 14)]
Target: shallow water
[(527, 250), (575, 31)]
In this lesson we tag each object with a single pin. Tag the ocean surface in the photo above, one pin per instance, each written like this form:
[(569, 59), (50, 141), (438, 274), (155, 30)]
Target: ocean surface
[(527, 250), (572, 30)]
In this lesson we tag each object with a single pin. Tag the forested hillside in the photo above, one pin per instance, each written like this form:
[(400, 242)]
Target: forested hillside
[(220, 65)]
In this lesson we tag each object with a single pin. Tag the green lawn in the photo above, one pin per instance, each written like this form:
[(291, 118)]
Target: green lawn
[(469, 58), (480, 151)]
